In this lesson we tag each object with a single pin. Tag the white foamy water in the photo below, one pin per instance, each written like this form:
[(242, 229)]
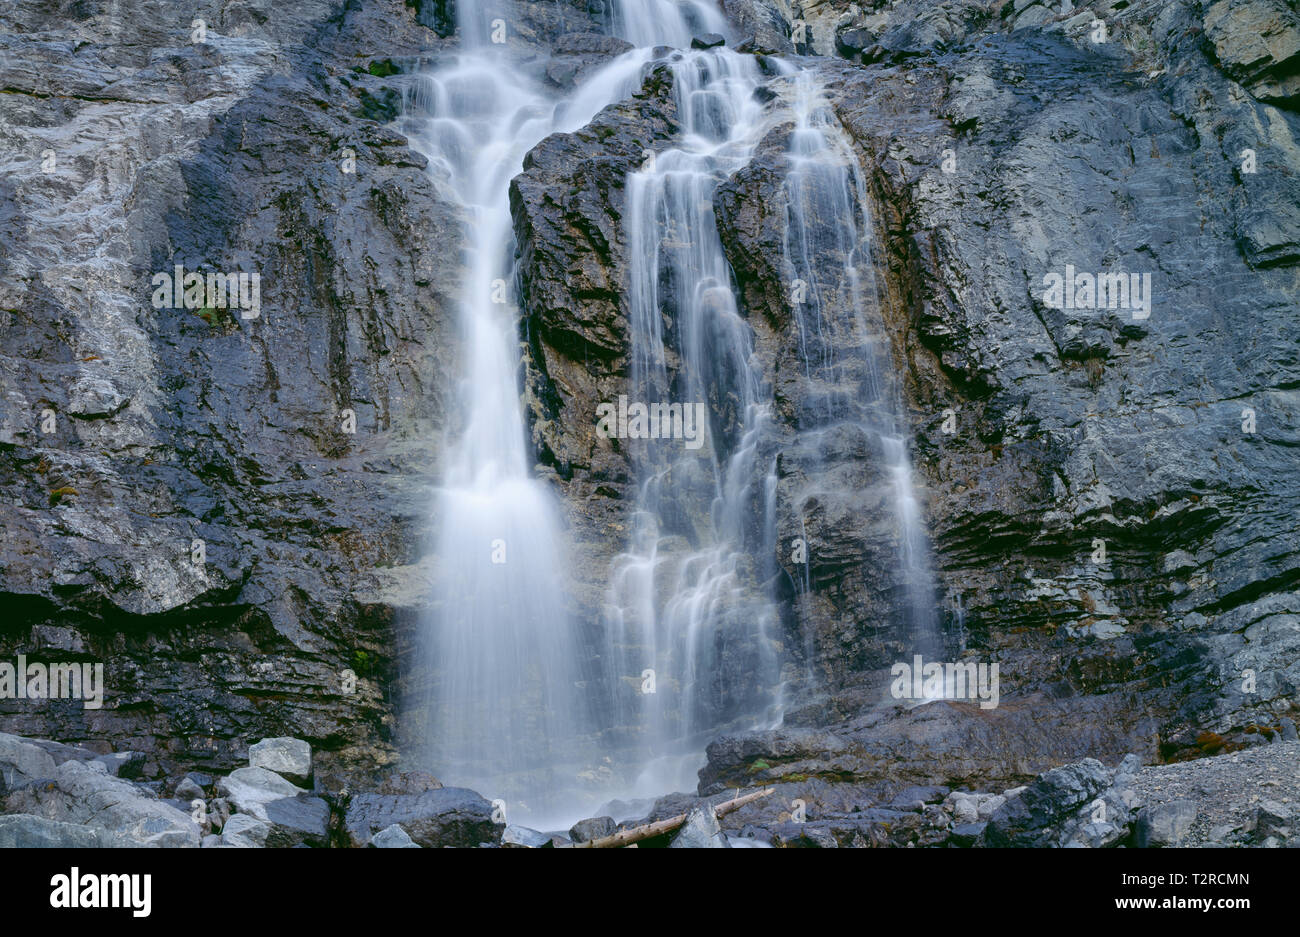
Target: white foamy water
[(516, 705), (508, 710)]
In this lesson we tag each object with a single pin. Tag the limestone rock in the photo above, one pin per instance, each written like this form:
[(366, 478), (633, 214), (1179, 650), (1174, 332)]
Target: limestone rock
[(287, 757)]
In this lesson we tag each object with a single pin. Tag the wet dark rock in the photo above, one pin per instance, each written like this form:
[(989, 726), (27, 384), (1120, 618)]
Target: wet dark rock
[(438, 15), (755, 833), (996, 145), (1031, 818), (218, 812), (708, 41), (448, 816), (594, 828), (172, 429), (297, 820), (1015, 505), (887, 749)]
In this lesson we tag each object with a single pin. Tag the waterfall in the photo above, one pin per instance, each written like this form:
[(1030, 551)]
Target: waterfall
[(646, 23), (827, 250), (506, 710), (686, 601), (692, 630)]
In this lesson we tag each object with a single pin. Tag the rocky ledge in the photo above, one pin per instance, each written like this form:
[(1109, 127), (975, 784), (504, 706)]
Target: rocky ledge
[(61, 795), (1244, 799), (55, 795)]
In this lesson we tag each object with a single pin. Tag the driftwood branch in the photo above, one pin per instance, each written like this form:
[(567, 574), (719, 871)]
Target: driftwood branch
[(650, 830)]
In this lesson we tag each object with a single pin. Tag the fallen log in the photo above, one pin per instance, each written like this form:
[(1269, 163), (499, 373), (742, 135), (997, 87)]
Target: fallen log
[(650, 830)]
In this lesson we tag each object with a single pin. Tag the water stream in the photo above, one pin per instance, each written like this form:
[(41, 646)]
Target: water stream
[(693, 640)]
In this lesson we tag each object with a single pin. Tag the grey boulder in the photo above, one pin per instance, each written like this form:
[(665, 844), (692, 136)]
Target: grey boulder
[(700, 831), (592, 828), (392, 837), (1033, 818), (249, 790), (708, 41), (302, 820), (85, 793), (1164, 824), (521, 837), (24, 831), (245, 831), (22, 761), (188, 790), (128, 765), (287, 757), (448, 816), (1272, 819)]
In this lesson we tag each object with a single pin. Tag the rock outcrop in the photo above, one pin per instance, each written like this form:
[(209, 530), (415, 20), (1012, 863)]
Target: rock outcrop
[(448, 816), (1103, 532), (183, 496)]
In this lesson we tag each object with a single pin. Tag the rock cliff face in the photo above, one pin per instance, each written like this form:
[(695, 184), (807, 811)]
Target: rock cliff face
[(1108, 489), (181, 499), (1110, 492), (1115, 538)]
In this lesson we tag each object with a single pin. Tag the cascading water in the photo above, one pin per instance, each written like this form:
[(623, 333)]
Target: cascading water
[(690, 615), (827, 250), (647, 23), (685, 601), (506, 711)]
